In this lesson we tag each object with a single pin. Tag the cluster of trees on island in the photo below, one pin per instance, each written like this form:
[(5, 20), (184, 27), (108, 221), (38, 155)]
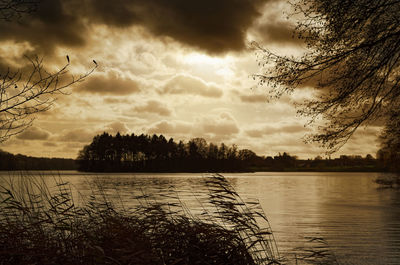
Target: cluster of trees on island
[(146, 153)]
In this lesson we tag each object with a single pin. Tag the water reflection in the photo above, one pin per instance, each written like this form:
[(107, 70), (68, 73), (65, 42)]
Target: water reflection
[(346, 209), (359, 222)]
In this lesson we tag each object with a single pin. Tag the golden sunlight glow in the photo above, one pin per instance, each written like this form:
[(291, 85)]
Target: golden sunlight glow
[(221, 66), (200, 58)]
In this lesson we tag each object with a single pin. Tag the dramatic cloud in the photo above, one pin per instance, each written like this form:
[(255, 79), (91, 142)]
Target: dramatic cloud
[(154, 106), (34, 133), (51, 25), (184, 84), (213, 26), (111, 83)]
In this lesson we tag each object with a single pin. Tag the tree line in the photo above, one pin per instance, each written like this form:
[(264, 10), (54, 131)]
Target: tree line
[(10, 161), (155, 153), (145, 153)]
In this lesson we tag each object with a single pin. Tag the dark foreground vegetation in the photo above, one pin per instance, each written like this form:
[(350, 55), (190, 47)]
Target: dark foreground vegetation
[(145, 153), (43, 225)]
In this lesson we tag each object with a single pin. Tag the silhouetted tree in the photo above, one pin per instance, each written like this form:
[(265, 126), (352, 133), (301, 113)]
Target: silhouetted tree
[(285, 161), (246, 154), (369, 157), (353, 60), (222, 151), (232, 152), (212, 151), (198, 148), (181, 151)]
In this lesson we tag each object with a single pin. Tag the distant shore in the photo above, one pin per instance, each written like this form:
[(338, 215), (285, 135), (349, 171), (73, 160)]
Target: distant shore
[(285, 163)]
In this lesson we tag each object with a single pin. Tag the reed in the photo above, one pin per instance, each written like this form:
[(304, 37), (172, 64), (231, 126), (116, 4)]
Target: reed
[(44, 225)]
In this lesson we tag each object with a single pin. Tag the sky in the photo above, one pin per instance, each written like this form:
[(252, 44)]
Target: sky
[(178, 68)]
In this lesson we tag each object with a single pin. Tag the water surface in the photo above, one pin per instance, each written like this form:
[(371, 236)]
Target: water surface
[(359, 222)]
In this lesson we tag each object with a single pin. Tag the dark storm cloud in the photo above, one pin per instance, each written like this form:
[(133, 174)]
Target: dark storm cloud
[(46, 28), (212, 26)]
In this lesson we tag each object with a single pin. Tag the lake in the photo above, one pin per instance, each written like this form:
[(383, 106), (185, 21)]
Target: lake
[(359, 222)]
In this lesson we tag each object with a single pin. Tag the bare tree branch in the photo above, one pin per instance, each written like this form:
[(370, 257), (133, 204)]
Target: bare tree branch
[(21, 97), (353, 63)]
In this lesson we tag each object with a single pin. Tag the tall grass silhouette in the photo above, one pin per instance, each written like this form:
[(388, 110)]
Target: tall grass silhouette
[(43, 224)]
